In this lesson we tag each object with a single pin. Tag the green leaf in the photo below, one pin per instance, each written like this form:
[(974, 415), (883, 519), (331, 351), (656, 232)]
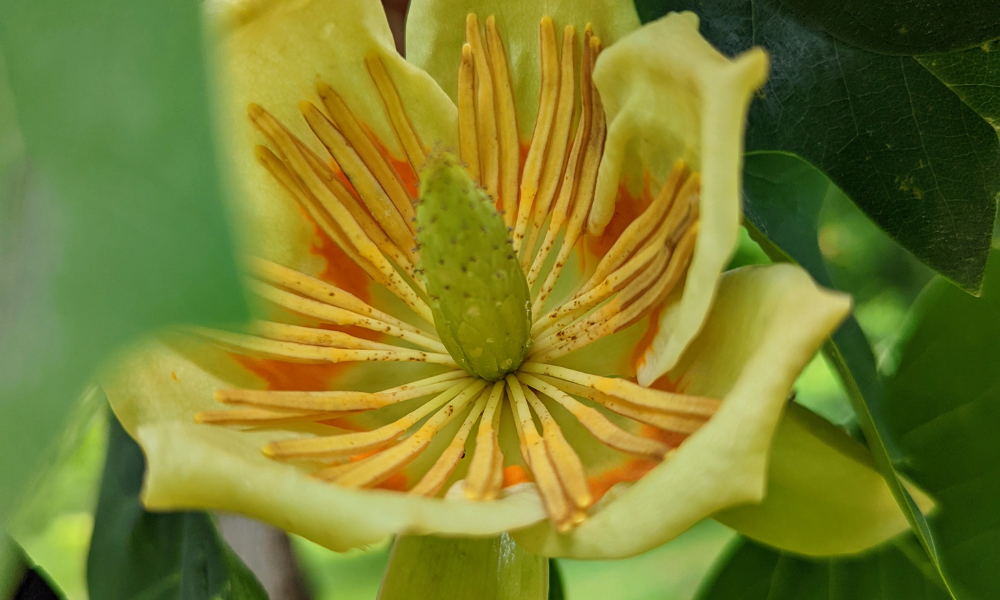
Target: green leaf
[(783, 198), (943, 406), (904, 27), (135, 554), (755, 572), (428, 567), (974, 75), (53, 524), (111, 220), (914, 157)]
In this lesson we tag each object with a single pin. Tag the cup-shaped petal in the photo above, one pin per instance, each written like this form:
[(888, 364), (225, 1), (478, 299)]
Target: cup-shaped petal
[(156, 391), (669, 94), (765, 325), (274, 54)]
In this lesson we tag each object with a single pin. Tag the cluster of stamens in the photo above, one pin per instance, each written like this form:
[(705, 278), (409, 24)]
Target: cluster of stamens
[(360, 200)]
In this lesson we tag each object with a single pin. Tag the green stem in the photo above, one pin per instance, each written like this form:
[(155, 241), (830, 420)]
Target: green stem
[(425, 567)]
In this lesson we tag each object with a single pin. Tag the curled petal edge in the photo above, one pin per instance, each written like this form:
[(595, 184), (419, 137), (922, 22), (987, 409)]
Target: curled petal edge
[(764, 327), (669, 94)]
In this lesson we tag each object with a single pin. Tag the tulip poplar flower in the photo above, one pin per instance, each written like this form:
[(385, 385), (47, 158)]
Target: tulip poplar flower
[(493, 295)]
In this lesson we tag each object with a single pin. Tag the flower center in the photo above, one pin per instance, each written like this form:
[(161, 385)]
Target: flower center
[(477, 291), (484, 278)]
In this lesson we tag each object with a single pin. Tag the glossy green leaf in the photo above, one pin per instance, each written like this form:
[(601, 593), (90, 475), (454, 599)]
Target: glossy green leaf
[(161, 556), (111, 219), (901, 144), (904, 27), (428, 567), (755, 572), (943, 406), (974, 75), (784, 195)]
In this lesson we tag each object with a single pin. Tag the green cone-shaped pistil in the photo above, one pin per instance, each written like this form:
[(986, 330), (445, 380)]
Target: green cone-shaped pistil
[(478, 293)]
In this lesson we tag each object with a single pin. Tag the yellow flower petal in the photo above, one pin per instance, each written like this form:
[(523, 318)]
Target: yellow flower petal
[(435, 32), (274, 54), (824, 494), (669, 94), (766, 323), (156, 391)]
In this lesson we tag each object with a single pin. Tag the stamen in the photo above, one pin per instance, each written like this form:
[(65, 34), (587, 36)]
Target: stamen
[(482, 481), (597, 424), (302, 353), (434, 479), (467, 137), (631, 392), (338, 468), (259, 416), (533, 447), (585, 186), (300, 165), (635, 302), (559, 143), (548, 97), (314, 337), (327, 293), (601, 322), (406, 135), (486, 118), (510, 149), (338, 316), (679, 262), (372, 157), (341, 401), (352, 444), (582, 302), (602, 284), (316, 211), (564, 458), (656, 418), (395, 458), (364, 182), (639, 229), (360, 214)]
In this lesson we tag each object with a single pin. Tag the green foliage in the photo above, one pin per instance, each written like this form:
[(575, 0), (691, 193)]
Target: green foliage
[(904, 27), (933, 418), (783, 199), (903, 146), (943, 407), (755, 572), (54, 523), (478, 292), (428, 567), (974, 75), (156, 556), (111, 220)]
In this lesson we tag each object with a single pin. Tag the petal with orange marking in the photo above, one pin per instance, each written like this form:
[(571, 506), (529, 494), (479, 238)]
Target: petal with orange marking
[(435, 32), (274, 53), (199, 467), (670, 95), (764, 327)]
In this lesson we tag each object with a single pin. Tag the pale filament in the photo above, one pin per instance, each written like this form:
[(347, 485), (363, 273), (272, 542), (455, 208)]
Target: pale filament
[(545, 205)]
